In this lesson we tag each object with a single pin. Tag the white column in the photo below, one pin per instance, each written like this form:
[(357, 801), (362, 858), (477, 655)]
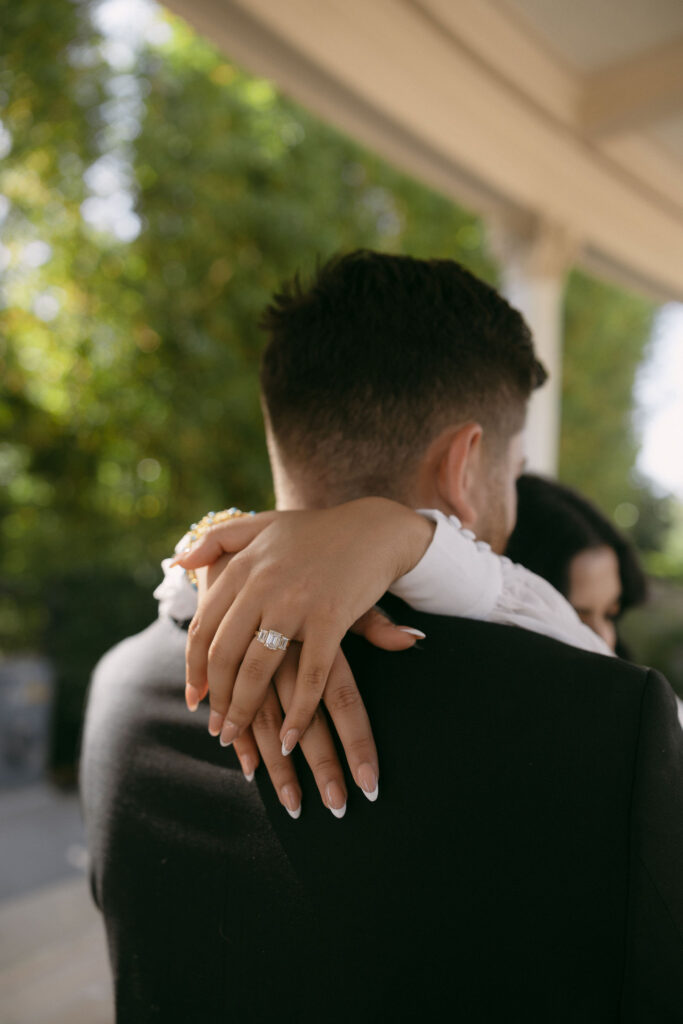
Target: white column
[(535, 257)]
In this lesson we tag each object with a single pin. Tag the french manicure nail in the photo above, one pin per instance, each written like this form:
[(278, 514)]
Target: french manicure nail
[(290, 741), (336, 802), (413, 632), (229, 733), (191, 697), (215, 723), (291, 801), (247, 767), (368, 782), (179, 557)]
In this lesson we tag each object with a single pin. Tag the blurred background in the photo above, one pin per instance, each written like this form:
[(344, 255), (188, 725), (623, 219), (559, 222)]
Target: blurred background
[(153, 193)]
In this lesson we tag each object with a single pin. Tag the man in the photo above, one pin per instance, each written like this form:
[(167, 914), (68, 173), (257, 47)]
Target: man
[(522, 860)]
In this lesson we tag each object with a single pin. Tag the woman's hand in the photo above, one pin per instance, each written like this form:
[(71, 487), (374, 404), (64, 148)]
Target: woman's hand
[(345, 707), (309, 575)]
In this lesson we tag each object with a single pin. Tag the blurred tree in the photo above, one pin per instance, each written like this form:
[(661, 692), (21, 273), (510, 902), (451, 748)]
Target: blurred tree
[(607, 334), (152, 201), (129, 362)]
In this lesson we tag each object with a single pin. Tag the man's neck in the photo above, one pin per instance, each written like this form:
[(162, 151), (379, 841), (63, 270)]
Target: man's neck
[(291, 495)]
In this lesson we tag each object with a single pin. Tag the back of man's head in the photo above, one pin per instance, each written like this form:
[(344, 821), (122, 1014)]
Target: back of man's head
[(380, 354)]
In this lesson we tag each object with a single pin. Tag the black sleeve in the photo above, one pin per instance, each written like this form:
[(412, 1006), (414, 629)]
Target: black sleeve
[(653, 981)]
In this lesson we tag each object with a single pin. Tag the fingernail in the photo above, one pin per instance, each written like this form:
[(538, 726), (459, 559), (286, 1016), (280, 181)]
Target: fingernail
[(290, 741), (191, 697), (179, 557), (413, 632), (248, 768), (230, 732), (215, 723), (368, 781), (336, 801), (291, 801)]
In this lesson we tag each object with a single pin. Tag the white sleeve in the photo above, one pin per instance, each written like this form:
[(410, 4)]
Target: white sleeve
[(176, 596), (529, 601), (459, 575)]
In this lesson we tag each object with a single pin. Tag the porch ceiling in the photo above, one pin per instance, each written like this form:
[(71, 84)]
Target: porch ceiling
[(525, 110)]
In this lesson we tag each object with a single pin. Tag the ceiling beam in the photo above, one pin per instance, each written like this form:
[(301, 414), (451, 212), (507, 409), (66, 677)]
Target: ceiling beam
[(435, 108), (635, 92)]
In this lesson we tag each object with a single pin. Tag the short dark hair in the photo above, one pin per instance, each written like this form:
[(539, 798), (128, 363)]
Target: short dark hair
[(368, 364), (555, 523)]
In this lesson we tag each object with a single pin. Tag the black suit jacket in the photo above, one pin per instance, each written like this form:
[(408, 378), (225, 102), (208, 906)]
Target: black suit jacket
[(524, 859)]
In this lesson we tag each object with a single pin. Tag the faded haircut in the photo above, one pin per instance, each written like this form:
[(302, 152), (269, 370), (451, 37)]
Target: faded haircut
[(370, 362)]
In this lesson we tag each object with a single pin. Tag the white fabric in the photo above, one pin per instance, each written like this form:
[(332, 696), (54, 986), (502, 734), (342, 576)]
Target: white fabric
[(176, 596), (457, 575)]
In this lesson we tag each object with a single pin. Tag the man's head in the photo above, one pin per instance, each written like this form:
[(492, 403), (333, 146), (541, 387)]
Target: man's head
[(398, 377)]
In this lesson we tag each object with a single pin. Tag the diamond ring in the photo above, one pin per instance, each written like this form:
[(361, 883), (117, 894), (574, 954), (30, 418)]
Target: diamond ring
[(273, 640)]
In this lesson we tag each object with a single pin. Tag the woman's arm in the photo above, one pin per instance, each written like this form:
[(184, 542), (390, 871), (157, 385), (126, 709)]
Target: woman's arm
[(459, 575), (261, 741), (308, 575)]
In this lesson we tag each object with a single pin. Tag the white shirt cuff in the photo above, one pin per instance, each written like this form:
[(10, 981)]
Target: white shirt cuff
[(457, 575)]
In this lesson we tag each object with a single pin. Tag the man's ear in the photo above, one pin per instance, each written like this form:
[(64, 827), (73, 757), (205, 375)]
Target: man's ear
[(459, 471)]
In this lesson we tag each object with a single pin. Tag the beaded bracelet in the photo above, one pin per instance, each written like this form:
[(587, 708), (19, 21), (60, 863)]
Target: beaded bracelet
[(198, 530)]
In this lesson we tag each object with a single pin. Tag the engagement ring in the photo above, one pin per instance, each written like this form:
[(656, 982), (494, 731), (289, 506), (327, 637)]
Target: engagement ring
[(273, 640)]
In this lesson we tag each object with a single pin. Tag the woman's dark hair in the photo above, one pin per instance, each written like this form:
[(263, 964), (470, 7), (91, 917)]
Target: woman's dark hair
[(555, 523)]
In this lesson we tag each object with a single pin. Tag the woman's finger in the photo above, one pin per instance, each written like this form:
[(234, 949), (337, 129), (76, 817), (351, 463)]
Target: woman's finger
[(318, 651), (214, 603), (254, 675), (230, 536), (316, 744), (247, 753), (379, 630), (266, 730), (350, 719), (233, 637), (195, 694)]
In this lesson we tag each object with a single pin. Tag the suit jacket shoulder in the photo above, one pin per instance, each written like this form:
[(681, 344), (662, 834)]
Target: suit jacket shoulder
[(494, 874), (654, 948)]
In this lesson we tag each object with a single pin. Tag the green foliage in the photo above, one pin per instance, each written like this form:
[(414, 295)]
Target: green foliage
[(128, 369), (607, 332), (666, 561), (654, 632), (132, 395)]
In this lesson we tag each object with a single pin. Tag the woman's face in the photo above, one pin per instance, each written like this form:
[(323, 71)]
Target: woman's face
[(595, 590)]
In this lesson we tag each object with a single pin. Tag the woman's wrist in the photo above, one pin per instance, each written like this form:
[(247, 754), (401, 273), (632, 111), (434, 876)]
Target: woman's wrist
[(419, 533), (409, 533)]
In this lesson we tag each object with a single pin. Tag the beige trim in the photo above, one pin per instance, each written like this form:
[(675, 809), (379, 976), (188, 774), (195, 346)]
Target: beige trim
[(635, 92), (428, 97), (498, 39)]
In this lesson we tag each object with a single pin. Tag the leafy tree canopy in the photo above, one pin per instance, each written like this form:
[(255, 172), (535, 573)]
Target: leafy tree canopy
[(129, 364)]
